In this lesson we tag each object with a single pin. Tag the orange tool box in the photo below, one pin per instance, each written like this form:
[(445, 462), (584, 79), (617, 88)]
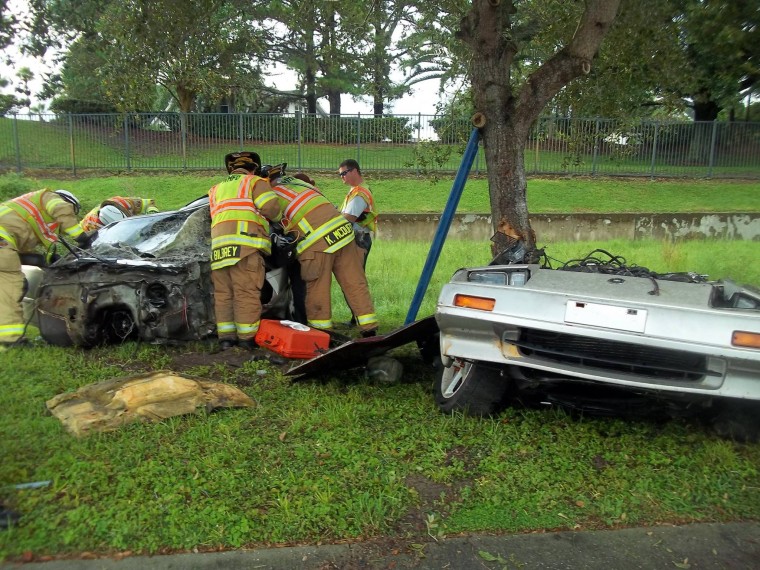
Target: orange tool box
[(292, 340)]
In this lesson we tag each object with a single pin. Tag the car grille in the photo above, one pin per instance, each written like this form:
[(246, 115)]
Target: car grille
[(614, 356)]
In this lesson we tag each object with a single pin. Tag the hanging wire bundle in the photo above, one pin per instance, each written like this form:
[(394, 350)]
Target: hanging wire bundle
[(602, 261)]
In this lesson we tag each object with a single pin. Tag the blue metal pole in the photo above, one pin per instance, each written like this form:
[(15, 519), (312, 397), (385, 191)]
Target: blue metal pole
[(444, 224)]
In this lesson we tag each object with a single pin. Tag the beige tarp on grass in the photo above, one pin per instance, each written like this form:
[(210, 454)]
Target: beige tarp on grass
[(107, 405)]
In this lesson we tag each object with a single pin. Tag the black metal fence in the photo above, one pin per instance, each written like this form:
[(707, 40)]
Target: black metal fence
[(401, 143)]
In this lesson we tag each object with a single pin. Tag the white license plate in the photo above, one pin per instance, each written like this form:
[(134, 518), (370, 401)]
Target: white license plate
[(606, 316)]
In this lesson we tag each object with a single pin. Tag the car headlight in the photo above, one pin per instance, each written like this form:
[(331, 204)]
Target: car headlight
[(516, 278), (157, 295)]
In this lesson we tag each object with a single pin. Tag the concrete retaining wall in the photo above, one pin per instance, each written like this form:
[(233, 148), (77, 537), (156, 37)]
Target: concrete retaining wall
[(581, 227)]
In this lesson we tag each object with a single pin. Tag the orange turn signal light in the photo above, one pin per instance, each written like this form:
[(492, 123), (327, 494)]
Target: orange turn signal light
[(746, 339), (471, 302)]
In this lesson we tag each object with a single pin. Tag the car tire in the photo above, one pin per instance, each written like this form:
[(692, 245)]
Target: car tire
[(737, 421), (471, 387)]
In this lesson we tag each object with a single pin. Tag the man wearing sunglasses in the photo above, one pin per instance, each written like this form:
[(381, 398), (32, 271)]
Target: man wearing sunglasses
[(358, 208)]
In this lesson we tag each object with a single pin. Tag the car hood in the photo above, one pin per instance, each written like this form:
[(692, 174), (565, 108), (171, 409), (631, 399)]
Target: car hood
[(163, 240)]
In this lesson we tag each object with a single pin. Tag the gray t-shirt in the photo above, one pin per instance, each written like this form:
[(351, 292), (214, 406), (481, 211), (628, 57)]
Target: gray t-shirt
[(356, 208)]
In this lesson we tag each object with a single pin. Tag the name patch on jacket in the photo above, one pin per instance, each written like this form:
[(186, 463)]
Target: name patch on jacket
[(225, 252), (339, 233)]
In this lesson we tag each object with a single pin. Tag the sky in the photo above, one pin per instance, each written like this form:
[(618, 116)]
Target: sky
[(422, 100)]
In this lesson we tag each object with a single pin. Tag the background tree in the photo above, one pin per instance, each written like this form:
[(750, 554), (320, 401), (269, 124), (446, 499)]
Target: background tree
[(192, 49), (383, 21), (25, 75), (8, 23), (319, 40), (77, 88), (9, 103)]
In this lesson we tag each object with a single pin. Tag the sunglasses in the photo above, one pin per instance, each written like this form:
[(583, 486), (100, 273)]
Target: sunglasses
[(342, 174)]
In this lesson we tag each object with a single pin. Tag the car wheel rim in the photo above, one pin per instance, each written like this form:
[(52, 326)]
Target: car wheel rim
[(453, 377)]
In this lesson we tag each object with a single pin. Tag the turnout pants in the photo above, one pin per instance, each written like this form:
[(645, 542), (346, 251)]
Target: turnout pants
[(11, 291), (317, 269), (237, 298)]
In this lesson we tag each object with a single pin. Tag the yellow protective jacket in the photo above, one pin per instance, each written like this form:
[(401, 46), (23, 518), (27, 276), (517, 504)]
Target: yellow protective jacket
[(312, 216), (240, 209), (37, 218), (130, 206), (368, 219), (133, 206)]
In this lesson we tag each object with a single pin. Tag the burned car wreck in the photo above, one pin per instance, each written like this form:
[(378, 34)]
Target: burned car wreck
[(145, 278), (597, 336)]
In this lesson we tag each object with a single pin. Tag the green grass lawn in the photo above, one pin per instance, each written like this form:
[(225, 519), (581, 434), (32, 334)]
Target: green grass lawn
[(345, 458), (410, 194)]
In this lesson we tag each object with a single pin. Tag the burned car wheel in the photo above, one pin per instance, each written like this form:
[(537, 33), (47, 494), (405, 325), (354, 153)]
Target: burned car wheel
[(471, 387)]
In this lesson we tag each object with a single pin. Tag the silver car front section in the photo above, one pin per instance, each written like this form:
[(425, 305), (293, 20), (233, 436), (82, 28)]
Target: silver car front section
[(625, 331)]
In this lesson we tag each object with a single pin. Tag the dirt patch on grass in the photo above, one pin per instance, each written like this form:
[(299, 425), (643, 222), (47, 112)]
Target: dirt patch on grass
[(234, 358), (425, 517)]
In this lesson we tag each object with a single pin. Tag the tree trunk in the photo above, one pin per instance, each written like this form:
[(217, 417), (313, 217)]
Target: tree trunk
[(333, 97), (310, 74), (705, 109), (185, 99), (311, 91), (505, 156), (508, 116), (705, 112)]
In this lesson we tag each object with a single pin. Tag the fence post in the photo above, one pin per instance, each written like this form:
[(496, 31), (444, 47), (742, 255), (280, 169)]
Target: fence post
[(712, 149), (419, 137), (240, 130), (16, 143), (596, 148), (183, 130), (126, 142), (71, 146), (654, 148), (535, 156), (299, 133), (358, 137)]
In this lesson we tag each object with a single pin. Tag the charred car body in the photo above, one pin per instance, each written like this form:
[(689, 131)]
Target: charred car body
[(143, 278), (594, 338)]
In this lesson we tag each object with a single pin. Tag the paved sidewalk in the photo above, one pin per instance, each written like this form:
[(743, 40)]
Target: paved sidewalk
[(734, 546)]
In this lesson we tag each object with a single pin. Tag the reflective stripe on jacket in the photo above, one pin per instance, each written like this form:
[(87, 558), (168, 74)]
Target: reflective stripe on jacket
[(233, 201), (133, 206), (34, 208), (301, 199), (338, 233)]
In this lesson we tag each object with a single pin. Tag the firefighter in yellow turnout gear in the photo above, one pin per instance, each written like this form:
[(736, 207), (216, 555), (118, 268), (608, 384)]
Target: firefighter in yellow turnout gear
[(325, 246), (116, 208), (240, 209), (26, 222)]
